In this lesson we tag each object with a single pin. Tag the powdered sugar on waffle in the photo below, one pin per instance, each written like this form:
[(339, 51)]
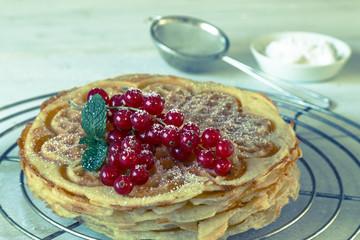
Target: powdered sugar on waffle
[(207, 109)]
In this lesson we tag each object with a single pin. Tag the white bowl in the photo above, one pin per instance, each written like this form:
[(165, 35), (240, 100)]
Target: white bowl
[(297, 71)]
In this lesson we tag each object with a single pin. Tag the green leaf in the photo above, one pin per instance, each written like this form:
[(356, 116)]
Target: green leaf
[(94, 155), (87, 141), (93, 117)]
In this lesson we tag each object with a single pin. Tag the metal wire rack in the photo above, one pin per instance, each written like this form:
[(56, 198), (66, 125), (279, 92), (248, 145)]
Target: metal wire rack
[(328, 206)]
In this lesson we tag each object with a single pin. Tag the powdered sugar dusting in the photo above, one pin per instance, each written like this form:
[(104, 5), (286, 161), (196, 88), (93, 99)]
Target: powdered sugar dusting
[(209, 109), (63, 148), (151, 94)]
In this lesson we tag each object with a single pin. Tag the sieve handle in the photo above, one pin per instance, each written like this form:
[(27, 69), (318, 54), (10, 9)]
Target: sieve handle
[(286, 88)]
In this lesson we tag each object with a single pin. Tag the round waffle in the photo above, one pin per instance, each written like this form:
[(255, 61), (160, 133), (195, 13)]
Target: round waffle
[(180, 199)]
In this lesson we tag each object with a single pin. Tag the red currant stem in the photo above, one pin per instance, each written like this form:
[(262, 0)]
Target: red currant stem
[(136, 109), (75, 105), (122, 107), (201, 146), (128, 172), (125, 88), (159, 120)]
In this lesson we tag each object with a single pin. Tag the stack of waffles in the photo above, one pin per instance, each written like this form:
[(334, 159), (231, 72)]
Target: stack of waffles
[(180, 200)]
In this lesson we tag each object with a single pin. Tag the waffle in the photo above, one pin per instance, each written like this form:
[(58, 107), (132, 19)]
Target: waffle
[(181, 199)]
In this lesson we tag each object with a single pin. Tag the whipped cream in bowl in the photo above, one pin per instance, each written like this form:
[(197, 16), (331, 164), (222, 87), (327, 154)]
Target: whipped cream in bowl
[(300, 56)]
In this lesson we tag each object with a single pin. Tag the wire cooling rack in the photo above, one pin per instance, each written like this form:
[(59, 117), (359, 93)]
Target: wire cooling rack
[(328, 206)]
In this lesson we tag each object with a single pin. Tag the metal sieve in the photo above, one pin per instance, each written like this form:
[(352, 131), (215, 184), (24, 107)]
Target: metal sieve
[(194, 45)]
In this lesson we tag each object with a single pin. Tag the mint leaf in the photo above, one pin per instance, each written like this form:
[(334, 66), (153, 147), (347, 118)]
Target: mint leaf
[(87, 141), (93, 122), (94, 155), (93, 117)]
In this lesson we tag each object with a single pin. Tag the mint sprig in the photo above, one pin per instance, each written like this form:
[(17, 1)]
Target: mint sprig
[(93, 117), (93, 122)]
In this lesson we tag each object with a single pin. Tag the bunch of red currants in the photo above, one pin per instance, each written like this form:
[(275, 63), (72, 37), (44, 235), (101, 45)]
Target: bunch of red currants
[(140, 125)]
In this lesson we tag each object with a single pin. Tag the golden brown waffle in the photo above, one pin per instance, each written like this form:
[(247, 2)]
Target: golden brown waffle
[(180, 199)]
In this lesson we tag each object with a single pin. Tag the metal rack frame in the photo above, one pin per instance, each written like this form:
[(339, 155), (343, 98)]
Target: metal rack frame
[(302, 114)]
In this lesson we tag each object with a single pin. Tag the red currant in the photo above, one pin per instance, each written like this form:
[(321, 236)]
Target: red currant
[(153, 103), (133, 97), (131, 142), (99, 91), (128, 159), (109, 174), (115, 147), (170, 136), (139, 175), (116, 136), (141, 120), (206, 158), (224, 148), (146, 158), (210, 137), (123, 185), (141, 136), (189, 140), (180, 154), (174, 117), (116, 101), (113, 159), (147, 146), (223, 167), (121, 119), (153, 135), (190, 126)]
